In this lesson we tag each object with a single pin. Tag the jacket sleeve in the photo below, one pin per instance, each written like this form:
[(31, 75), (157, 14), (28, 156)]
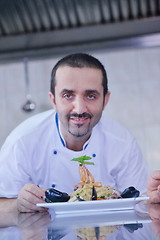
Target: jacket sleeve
[(13, 165)]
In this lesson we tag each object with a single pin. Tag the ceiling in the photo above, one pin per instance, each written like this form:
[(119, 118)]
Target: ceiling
[(42, 28)]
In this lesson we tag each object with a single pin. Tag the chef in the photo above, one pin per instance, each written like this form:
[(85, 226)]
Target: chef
[(38, 153)]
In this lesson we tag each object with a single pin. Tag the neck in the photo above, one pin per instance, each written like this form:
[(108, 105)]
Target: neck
[(75, 145)]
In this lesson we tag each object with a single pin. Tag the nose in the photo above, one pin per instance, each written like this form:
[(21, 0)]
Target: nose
[(79, 105)]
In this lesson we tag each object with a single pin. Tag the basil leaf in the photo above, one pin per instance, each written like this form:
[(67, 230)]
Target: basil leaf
[(89, 163), (83, 159)]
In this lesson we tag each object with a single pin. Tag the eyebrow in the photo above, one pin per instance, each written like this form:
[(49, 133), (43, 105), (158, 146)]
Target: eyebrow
[(67, 90), (89, 91)]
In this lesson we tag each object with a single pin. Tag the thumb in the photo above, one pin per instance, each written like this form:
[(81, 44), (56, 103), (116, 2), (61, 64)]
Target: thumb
[(156, 174)]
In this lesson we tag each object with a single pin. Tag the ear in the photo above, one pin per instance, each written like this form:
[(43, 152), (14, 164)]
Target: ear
[(106, 99), (52, 99)]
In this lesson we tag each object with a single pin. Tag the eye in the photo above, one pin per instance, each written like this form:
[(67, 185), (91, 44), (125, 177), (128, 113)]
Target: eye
[(91, 96), (67, 96)]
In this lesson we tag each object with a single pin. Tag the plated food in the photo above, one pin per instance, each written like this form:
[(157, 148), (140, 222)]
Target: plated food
[(87, 189)]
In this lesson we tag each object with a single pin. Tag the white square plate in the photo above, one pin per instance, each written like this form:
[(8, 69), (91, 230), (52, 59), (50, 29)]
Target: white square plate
[(83, 207)]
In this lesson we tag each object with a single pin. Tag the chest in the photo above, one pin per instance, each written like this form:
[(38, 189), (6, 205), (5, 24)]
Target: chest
[(64, 173)]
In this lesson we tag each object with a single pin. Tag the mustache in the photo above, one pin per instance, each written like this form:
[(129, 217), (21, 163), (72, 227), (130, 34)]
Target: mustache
[(82, 115)]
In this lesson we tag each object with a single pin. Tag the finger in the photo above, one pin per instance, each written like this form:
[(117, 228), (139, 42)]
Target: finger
[(34, 189), (28, 205), (28, 197), (153, 183), (32, 194), (156, 174), (32, 199)]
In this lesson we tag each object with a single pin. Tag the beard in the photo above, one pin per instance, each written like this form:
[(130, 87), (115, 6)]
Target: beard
[(79, 130)]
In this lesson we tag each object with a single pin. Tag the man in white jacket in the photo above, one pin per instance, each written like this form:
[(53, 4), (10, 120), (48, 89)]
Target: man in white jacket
[(37, 154)]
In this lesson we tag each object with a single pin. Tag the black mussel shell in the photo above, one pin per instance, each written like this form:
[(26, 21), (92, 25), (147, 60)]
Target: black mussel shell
[(130, 192), (94, 194), (53, 195)]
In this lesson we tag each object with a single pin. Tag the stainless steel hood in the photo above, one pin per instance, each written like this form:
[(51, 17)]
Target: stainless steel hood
[(42, 28)]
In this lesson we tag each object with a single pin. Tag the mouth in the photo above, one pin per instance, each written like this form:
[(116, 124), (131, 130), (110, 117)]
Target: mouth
[(80, 119)]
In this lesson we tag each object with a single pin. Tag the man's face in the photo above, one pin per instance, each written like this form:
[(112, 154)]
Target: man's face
[(79, 100)]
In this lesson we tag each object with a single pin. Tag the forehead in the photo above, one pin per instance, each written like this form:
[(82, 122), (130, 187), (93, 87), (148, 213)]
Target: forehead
[(75, 77)]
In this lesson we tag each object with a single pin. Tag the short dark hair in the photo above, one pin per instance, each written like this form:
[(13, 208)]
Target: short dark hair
[(79, 60)]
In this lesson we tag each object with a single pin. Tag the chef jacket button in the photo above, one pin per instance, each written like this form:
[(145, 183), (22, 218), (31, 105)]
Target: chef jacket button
[(93, 155), (54, 152)]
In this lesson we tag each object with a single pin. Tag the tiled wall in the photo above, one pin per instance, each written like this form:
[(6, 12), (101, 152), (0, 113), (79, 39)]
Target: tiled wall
[(134, 82)]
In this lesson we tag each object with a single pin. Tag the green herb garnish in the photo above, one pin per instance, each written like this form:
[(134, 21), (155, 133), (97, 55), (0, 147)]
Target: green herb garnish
[(103, 197), (82, 160)]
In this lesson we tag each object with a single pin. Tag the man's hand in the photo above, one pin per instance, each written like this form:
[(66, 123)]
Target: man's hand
[(153, 188), (28, 197)]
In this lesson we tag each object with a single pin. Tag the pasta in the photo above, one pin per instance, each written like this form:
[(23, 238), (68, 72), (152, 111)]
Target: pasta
[(85, 193)]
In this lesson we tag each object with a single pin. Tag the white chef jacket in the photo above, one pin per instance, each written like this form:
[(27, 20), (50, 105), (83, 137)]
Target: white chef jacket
[(35, 152)]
